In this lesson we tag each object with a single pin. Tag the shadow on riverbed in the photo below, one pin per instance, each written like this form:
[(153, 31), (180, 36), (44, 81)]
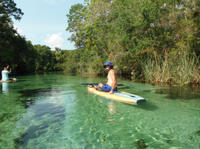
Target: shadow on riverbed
[(39, 91), (145, 105), (180, 92), (50, 116), (28, 96)]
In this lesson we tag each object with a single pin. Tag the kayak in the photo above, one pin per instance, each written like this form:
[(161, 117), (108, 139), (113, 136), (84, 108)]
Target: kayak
[(118, 96)]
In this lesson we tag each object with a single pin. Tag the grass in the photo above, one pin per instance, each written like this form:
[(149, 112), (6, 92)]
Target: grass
[(181, 71)]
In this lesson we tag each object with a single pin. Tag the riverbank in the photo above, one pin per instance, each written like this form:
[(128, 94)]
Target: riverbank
[(178, 71)]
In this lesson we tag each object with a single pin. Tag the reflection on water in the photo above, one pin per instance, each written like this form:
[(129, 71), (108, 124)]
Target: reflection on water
[(5, 88), (112, 108), (175, 92)]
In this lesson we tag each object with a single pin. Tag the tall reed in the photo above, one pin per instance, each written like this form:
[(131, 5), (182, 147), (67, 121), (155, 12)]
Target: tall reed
[(180, 71)]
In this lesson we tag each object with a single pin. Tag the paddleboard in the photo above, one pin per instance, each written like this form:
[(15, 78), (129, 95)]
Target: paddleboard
[(118, 96), (8, 81)]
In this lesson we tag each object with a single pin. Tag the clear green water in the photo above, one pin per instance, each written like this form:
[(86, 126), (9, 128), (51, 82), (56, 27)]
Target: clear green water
[(54, 111)]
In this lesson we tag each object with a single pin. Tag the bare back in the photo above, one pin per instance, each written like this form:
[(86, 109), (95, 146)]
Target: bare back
[(112, 78)]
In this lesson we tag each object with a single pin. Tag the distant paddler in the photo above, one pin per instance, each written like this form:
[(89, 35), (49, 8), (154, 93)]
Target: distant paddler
[(5, 75)]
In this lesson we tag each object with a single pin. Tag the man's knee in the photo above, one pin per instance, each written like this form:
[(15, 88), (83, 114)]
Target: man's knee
[(100, 84)]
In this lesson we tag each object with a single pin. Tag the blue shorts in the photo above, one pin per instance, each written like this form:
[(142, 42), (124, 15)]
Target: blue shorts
[(107, 88)]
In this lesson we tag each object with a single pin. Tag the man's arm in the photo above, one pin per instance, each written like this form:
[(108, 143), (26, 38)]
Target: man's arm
[(8, 68)]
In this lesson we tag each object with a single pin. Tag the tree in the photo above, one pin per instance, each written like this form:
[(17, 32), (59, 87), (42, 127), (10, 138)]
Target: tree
[(76, 18), (8, 36), (134, 34), (8, 8)]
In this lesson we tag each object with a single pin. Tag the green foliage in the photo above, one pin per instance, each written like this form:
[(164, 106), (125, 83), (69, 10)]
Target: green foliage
[(20, 54), (71, 64), (183, 71), (8, 8), (45, 59), (75, 20), (13, 50), (60, 57), (164, 35)]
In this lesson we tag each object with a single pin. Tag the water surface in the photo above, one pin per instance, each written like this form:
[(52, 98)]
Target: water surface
[(54, 111)]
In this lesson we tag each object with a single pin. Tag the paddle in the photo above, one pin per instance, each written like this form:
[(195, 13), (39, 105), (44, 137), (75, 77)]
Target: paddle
[(119, 86), (97, 83)]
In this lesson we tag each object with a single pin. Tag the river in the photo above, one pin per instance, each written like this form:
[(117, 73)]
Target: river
[(55, 111)]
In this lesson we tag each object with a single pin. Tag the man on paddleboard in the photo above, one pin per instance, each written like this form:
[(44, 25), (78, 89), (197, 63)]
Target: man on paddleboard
[(5, 74), (111, 84)]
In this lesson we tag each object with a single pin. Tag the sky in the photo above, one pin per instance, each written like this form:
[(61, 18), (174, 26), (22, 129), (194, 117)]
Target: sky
[(44, 22)]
